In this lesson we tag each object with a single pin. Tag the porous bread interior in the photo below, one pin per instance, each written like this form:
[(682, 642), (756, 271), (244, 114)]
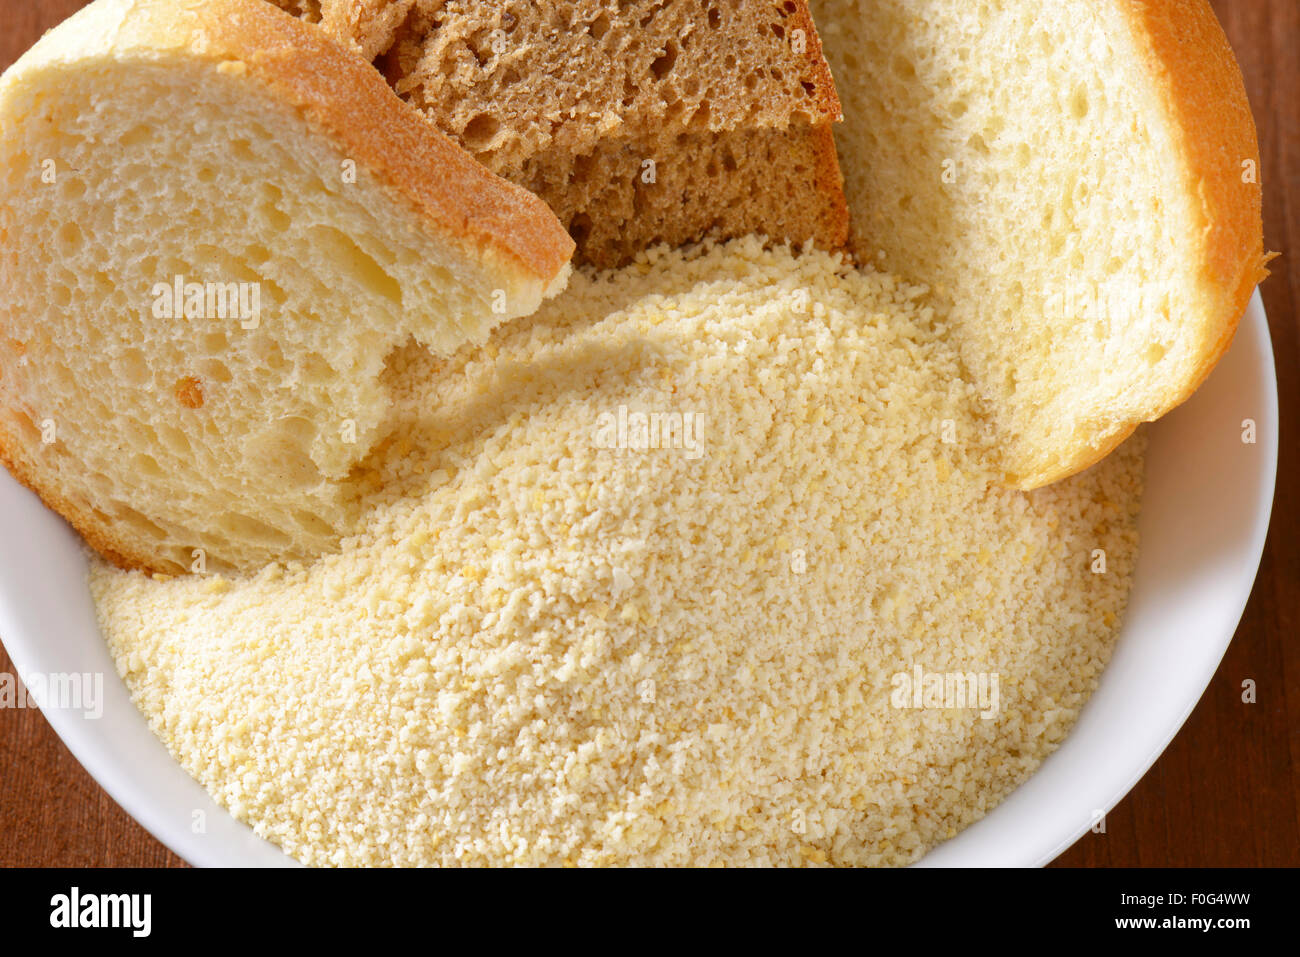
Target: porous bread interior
[(1017, 157), (509, 80), (183, 434), (570, 99), (782, 184)]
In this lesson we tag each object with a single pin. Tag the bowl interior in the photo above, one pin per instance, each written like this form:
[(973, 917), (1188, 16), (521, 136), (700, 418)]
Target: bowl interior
[(1205, 516)]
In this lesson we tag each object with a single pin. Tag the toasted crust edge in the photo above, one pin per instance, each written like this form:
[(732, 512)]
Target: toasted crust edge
[(830, 186), (1187, 57), (112, 548), (826, 95), (346, 99)]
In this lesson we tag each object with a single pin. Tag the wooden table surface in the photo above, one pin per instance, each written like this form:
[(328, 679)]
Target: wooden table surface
[(1226, 792)]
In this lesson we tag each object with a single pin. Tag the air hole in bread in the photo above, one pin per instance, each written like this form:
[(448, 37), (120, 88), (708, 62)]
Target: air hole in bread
[(354, 262), (270, 355), (599, 27), (481, 47), (285, 460), (480, 132), (71, 187), (299, 428), (245, 527), (30, 433), (311, 524), (216, 370), (276, 218), (147, 465), (70, 238), (583, 165), (315, 370), (175, 440), (137, 136), (663, 64), (133, 368), (580, 228), (1079, 103), (139, 523), (257, 254)]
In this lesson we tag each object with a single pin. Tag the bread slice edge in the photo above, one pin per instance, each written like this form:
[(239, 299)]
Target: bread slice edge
[(345, 98), (1194, 73)]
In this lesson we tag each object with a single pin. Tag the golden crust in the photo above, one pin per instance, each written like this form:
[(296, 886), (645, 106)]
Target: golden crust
[(827, 97), (343, 95), (1191, 66), (834, 221), (80, 517)]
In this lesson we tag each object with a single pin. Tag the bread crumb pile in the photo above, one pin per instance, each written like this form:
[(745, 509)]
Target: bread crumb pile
[(556, 645)]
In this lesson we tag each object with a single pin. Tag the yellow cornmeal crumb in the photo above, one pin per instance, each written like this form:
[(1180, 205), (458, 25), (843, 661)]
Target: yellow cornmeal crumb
[(636, 672)]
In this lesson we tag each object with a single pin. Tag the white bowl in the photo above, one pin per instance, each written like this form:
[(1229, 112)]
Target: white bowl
[(1208, 500)]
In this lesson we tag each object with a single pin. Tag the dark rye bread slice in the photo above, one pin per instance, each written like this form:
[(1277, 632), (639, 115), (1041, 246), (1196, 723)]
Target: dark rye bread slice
[(638, 122)]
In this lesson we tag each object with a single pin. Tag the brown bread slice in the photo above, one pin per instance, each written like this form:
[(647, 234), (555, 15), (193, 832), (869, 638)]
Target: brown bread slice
[(638, 122)]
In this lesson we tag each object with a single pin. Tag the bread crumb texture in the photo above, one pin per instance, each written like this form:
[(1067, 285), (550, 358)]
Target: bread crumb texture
[(556, 643)]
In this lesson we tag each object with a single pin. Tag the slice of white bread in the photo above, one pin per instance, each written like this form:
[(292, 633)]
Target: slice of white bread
[(731, 100), (225, 142), (1078, 182)]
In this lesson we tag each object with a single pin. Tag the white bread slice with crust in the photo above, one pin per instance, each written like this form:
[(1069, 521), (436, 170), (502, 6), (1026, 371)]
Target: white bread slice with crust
[(226, 142), (1079, 183)]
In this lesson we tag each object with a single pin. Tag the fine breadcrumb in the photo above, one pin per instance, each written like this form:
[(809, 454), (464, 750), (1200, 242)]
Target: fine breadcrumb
[(547, 650)]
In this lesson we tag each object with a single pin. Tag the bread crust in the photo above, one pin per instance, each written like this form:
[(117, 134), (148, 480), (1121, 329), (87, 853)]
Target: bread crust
[(345, 97), (81, 519), (830, 185), (1191, 66), (828, 98)]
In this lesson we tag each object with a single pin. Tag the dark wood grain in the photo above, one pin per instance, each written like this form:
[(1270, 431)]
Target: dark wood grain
[(1224, 793)]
